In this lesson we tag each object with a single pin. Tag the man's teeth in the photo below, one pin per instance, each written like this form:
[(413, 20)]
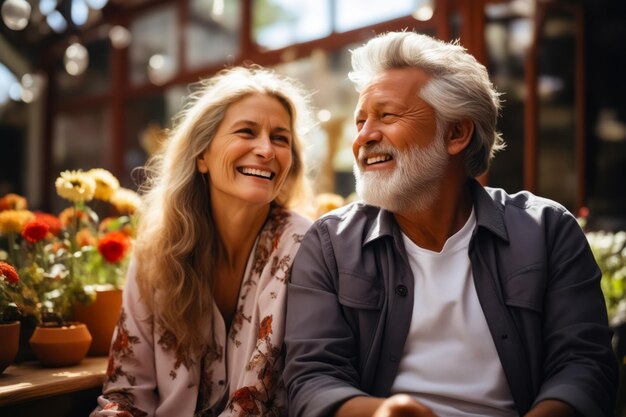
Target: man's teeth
[(256, 172), (376, 159)]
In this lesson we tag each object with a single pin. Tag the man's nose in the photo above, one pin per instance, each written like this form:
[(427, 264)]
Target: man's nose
[(369, 134)]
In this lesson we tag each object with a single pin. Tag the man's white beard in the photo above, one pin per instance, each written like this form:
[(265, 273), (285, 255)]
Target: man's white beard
[(412, 185)]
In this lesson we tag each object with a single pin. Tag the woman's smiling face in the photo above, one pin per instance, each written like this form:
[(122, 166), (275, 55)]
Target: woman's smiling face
[(250, 156)]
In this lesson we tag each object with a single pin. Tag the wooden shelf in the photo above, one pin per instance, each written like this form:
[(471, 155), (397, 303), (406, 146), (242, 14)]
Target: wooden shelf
[(30, 381)]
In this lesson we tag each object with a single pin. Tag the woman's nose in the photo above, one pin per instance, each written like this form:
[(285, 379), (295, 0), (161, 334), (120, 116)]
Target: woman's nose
[(264, 147)]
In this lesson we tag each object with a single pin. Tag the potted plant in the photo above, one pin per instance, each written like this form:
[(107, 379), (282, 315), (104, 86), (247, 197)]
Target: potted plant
[(102, 247), (609, 250), (14, 214), (9, 315), (66, 260)]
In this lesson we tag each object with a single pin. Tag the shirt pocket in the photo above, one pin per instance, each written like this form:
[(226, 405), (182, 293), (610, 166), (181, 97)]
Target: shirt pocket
[(359, 291), (525, 288)]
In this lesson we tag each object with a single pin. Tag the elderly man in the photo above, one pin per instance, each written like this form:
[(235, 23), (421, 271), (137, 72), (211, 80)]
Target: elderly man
[(437, 296)]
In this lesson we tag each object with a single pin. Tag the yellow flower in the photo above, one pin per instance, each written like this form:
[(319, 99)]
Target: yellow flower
[(326, 202), (13, 221), (106, 183), (75, 186), (125, 201)]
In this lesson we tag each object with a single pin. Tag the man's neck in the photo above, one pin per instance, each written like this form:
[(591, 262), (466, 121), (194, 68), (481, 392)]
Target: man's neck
[(430, 228)]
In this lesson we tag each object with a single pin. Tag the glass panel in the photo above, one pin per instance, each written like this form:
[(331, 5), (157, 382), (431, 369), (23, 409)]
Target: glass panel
[(154, 49), (212, 32), (557, 108), (280, 23), (81, 140), (143, 135), (353, 14), (330, 143), (96, 78), (508, 39), (605, 49), (11, 168)]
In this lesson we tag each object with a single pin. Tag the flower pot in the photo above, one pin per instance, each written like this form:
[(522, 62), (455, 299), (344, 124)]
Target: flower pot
[(101, 316), (61, 346), (10, 336)]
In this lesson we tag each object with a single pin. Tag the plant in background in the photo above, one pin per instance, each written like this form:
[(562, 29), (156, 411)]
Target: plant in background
[(101, 248), (63, 260), (609, 251), (9, 282)]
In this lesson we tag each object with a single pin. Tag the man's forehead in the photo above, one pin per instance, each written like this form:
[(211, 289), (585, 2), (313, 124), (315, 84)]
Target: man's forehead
[(395, 86)]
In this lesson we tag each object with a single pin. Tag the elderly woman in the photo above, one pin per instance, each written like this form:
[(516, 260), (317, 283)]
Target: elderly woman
[(201, 327)]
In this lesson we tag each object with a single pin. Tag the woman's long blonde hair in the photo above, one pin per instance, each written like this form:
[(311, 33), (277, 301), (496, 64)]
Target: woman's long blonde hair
[(177, 242)]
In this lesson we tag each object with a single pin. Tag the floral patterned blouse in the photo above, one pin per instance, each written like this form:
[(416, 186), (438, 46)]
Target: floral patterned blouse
[(241, 376)]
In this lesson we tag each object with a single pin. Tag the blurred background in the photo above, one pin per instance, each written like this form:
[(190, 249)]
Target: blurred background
[(92, 83)]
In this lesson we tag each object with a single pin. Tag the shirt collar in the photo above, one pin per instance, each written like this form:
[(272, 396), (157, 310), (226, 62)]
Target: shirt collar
[(488, 215)]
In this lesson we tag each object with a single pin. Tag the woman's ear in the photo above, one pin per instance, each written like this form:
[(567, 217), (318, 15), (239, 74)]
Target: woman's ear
[(201, 164), (459, 136)]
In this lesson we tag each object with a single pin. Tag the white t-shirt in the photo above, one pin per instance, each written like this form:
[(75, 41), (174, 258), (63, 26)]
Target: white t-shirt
[(450, 362)]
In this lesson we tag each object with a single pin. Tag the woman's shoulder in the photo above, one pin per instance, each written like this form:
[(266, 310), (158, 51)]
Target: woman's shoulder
[(283, 219), (298, 221), (285, 229)]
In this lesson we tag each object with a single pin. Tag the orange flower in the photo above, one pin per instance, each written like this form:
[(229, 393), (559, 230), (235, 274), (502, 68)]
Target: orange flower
[(53, 222), (103, 227), (67, 215), (13, 202), (113, 246), (35, 231), (112, 224), (85, 238), (265, 328), (9, 273)]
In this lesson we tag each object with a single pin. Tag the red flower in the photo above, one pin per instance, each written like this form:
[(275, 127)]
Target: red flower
[(35, 230), (53, 222), (9, 273), (113, 246)]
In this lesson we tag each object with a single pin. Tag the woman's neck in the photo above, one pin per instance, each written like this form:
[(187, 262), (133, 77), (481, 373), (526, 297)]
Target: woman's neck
[(237, 229)]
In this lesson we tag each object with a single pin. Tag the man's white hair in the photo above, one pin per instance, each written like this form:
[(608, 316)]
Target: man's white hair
[(459, 87)]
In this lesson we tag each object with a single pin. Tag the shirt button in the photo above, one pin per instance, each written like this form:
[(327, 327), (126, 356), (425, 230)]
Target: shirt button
[(402, 290)]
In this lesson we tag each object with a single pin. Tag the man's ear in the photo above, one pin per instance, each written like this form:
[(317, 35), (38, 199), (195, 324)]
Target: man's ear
[(459, 136), (201, 164)]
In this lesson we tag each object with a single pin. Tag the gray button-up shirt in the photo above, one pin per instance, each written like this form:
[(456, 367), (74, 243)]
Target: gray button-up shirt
[(350, 302)]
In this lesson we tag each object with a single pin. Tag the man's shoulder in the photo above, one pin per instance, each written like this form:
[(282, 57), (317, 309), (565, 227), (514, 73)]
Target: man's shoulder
[(522, 200), (522, 215), (357, 215)]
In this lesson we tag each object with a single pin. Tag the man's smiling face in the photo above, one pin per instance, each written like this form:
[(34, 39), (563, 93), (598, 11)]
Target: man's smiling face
[(399, 157)]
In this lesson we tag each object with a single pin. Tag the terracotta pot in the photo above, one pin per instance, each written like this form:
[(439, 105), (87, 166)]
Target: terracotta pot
[(101, 316), (61, 346), (10, 336)]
